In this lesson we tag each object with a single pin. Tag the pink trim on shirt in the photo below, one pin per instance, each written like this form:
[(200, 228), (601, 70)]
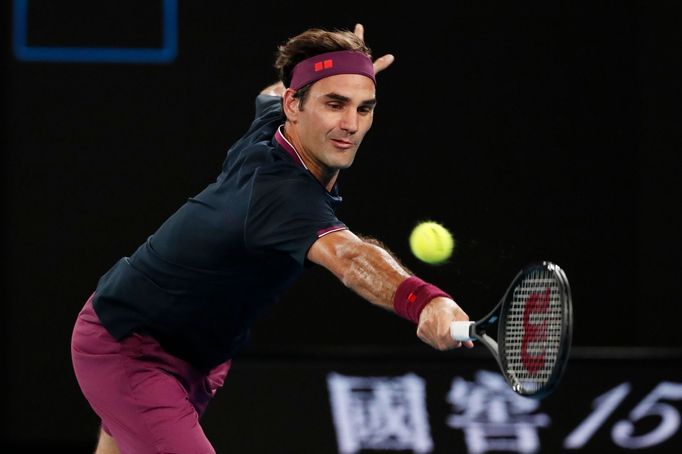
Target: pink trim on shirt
[(329, 230), (288, 147)]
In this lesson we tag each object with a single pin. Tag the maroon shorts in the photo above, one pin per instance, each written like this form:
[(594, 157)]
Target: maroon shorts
[(149, 400)]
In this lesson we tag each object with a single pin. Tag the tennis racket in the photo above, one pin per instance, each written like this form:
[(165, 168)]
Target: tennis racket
[(534, 322)]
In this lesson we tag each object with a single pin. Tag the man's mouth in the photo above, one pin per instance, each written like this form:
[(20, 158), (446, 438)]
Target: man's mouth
[(341, 143)]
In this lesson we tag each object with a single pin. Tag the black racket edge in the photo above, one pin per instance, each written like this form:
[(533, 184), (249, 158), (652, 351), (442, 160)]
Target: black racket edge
[(566, 334), (479, 330)]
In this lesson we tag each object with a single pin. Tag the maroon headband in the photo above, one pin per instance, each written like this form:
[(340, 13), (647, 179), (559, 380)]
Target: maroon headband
[(330, 64)]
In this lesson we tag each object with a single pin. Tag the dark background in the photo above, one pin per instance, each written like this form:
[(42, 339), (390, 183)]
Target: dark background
[(534, 132)]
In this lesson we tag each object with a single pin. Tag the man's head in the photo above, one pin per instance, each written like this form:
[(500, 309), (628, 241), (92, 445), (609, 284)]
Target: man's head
[(311, 43), (330, 97)]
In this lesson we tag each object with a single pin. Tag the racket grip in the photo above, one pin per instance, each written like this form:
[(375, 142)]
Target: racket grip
[(461, 331)]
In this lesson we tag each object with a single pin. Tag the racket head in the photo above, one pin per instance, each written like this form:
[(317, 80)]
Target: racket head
[(535, 329)]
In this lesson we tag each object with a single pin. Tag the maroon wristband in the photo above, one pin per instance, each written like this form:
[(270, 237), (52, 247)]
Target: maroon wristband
[(412, 295)]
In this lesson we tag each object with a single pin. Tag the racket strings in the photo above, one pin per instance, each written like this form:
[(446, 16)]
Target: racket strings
[(533, 333)]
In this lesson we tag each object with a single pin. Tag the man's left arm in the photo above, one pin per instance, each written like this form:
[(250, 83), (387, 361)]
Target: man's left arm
[(277, 89)]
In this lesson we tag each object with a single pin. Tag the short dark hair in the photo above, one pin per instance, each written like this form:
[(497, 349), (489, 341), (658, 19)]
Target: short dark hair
[(313, 42)]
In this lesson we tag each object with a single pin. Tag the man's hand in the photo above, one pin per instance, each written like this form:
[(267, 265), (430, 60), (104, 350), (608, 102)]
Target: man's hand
[(380, 63), (435, 320)]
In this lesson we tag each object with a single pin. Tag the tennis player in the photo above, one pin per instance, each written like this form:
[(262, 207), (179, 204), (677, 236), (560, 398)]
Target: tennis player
[(154, 342)]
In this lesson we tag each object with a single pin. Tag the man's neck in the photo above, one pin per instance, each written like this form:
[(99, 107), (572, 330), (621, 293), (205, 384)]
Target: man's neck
[(327, 177)]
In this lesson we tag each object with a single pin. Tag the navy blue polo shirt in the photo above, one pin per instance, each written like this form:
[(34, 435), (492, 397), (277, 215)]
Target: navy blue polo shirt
[(199, 282)]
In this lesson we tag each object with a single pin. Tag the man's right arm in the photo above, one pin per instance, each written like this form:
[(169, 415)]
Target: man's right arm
[(374, 274)]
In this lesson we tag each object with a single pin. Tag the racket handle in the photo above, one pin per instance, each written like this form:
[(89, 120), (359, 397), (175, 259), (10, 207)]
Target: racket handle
[(461, 331)]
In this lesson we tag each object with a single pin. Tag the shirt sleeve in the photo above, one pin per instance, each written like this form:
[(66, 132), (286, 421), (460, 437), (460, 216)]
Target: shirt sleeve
[(267, 103), (288, 212), (268, 109)]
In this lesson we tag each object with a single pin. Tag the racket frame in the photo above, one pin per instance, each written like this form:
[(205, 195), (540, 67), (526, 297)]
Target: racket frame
[(497, 317)]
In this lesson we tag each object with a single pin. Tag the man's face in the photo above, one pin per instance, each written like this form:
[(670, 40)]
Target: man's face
[(336, 115)]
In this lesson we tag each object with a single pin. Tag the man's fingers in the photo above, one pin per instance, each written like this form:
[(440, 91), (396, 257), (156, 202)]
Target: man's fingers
[(359, 31), (382, 63)]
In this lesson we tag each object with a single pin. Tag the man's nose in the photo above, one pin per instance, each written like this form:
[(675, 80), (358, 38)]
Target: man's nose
[(349, 121)]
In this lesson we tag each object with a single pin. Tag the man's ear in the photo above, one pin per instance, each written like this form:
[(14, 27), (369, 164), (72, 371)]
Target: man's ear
[(290, 104)]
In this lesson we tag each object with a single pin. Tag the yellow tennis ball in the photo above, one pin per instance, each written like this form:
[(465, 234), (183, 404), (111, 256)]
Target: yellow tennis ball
[(431, 242)]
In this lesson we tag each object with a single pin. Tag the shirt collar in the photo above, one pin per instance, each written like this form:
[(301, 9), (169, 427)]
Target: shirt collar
[(288, 147)]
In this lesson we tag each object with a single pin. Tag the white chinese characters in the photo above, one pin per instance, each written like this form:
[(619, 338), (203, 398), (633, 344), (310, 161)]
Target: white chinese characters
[(381, 413), (493, 417)]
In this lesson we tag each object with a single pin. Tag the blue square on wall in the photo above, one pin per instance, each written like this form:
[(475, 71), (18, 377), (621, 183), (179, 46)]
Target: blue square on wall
[(166, 53)]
